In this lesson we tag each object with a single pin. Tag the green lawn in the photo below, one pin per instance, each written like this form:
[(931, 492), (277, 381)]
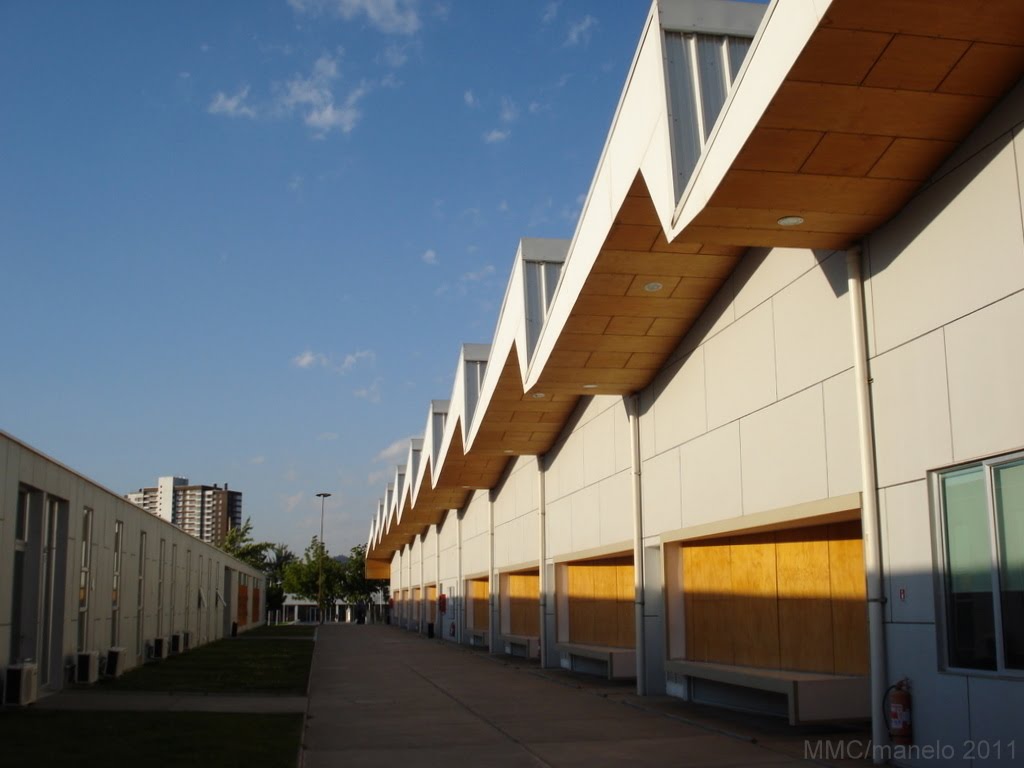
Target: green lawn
[(165, 739), (262, 666), (281, 630)]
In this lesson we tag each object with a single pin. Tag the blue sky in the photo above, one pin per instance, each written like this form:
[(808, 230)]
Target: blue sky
[(242, 241)]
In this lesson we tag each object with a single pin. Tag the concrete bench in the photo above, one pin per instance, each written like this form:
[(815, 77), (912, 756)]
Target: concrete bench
[(602, 660), (811, 696), (523, 646), (479, 637)]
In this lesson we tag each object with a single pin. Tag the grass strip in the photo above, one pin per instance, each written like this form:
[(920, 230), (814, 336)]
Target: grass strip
[(166, 739), (258, 666)]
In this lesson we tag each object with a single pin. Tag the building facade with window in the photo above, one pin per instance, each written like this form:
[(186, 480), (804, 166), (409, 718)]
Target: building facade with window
[(753, 436), (90, 583), (207, 512)]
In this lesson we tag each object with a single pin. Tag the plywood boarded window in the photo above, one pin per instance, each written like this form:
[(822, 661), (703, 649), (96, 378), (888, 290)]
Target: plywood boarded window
[(431, 604), (405, 604), (523, 603), (478, 591), (416, 603), (601, 602), (791, 599)]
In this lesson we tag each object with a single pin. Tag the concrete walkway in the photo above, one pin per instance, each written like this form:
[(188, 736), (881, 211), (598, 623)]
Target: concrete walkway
[(123, 701), (382, 696)]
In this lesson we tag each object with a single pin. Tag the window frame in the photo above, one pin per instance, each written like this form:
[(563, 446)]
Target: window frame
[(988, 465)]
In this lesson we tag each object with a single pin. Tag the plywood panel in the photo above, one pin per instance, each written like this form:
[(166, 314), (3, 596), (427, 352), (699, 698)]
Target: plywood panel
[(707, 583), (416, 603), (478, 592), (524, 605), (849, 609), (839, 56), (846, 154), (755, 614), (601, 602), (432, 604), (915, 63), (777, 149), (805, 609)]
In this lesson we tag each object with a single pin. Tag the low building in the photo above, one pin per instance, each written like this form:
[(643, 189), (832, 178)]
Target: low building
[(91, 582), (754, 435)]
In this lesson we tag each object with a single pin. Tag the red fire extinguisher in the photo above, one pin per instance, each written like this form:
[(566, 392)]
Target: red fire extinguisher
[(898, 713), (442, 603)]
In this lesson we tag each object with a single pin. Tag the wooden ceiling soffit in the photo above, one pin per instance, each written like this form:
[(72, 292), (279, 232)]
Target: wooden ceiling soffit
[(880, 96), (639, 300)]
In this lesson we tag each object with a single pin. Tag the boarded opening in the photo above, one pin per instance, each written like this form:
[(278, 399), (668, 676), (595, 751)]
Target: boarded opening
[(523, 604), (791, 599), (600, 602), (432, 604), (477, 591)]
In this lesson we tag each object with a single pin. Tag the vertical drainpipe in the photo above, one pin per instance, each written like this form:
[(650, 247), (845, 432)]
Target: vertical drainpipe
[(870, 524), (492, 602), (397, 619), (542, 597), (632, 404), (460, 611), (421, 609), (438, 628)]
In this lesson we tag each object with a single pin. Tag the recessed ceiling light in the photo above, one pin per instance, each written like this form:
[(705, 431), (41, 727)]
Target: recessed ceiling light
[(509, 450), (538, 395), (791, 221), (590, 386), (653, 287)]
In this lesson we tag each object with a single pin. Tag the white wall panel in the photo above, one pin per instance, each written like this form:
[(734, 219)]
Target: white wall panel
[(586, 519), (615, 499), (842, 440), (956, 247), (661, 492), (740, 367), (783, 453), (911, 410), (762, 273), (812, 327), (680, 407), (711, 478), (907, 537), (985, 360)]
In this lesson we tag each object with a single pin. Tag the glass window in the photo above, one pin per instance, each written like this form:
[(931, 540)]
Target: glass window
[(983, 530)]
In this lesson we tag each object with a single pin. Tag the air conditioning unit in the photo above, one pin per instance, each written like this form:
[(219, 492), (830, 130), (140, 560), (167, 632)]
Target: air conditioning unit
[(115, 662), (160, 648), (186, 641), (177, 644), (22, 684), (87, 667)]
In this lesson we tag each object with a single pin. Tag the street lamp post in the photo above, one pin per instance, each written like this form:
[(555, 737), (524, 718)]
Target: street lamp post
[(320, 590)]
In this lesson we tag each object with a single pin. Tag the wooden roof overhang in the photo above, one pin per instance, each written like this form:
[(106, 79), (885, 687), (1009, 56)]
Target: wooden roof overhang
[(880, 95)]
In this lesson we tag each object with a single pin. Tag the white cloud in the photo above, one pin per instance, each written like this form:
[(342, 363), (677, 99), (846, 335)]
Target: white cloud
[(550, 12), (398, 17), (315, 96), (509, 110), (291, 503), (442, 10), (503, 206), (309, 359), (470, 98), (232, 106), (396, 451), (258, 460), (370, 393), (351, 360), (496, 136), (327, 436), (378, 477), (430, 256), (579, 31), (478, 275), (295, 182), (395, 56), (184, 75)]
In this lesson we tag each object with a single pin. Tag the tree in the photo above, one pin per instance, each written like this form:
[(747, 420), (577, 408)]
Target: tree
[(240, 545), (278, 558), (358, 588), (302, 577)]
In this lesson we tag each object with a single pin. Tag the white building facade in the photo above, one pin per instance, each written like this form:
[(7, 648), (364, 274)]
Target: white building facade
[(766, 447), (91, 582)]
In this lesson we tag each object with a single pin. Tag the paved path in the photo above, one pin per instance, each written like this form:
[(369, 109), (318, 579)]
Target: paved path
[(382, 696)]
